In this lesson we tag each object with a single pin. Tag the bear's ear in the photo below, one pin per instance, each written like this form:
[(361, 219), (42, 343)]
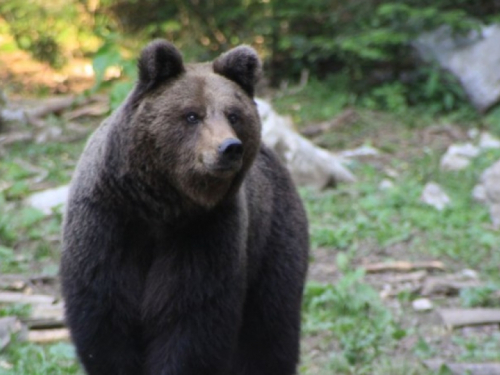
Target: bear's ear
[(159, 62), (241, 65)]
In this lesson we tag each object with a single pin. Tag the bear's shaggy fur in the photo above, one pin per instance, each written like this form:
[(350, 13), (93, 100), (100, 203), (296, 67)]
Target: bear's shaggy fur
[(185, 243)]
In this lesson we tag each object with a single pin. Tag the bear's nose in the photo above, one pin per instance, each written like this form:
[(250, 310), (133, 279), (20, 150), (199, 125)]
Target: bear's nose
[(231, 149)]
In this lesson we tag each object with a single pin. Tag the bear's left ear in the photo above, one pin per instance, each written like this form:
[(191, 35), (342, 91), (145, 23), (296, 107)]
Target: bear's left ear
[(159, 62), (241, 65)]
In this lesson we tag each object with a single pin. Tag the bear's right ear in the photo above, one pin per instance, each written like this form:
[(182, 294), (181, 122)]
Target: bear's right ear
[(159, 62)]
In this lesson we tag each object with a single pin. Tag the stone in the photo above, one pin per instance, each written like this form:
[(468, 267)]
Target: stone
[(308, 164), (359, 152), (47, 200), (488, 192), (473, 58), (386, 184), (458, 156), (488, 141), (422, 304), (479, 194), (434, 196)]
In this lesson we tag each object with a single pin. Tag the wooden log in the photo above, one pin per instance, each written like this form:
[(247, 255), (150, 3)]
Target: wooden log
[(46, 316), (464, 368), (469, 317), (12, 297), (44, 336)]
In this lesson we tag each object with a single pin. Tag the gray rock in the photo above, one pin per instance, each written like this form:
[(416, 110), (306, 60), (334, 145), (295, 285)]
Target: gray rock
[(486, 141), (308, 164), (479, 194), (49, 199), (434, 196), (488, 191), (386, 184), (458, 156), (422, 304), (473, 58)]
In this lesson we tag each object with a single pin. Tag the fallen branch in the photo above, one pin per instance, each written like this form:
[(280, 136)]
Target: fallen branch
[(96, 109), (402, 266), (44, 336), (11, 297), (346, 117), (469, 317)]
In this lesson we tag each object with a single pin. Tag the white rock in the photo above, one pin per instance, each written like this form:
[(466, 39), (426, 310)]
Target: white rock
[(495, 215), (422, 304), (469, 274), (47, 200), (464, 149), (489, 187), (473, 58), (360, 151), (308, 164), (434, 196), (458, 156), (486, 140), (491, 181), (386, 184), (473, 133), (453, 162), (479, 193)]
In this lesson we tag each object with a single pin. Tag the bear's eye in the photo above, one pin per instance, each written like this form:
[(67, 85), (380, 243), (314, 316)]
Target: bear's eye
[(233, 118), (192, 118)]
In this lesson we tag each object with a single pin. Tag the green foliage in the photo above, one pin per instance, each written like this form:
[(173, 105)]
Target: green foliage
[(353, 313), (31, 359), (110, 55), (484, 296), (39, 28)]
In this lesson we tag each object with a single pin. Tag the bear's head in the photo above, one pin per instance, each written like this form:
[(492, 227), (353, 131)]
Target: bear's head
[(193, 128)]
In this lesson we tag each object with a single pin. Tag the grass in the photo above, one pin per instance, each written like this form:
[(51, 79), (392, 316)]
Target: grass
[(348, 328)]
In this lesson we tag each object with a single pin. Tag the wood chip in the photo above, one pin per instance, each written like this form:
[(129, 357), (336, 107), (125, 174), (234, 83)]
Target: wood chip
[(465, 368), (44, 336), (469, 317), (403, 266)]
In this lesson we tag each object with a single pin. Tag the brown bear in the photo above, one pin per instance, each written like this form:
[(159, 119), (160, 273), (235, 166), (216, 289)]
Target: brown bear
[(185, 244)]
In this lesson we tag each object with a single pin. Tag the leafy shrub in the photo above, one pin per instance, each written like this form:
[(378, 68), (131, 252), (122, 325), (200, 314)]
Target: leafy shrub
[(354, 314)]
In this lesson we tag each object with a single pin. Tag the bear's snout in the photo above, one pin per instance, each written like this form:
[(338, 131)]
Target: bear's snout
[(231, 149)]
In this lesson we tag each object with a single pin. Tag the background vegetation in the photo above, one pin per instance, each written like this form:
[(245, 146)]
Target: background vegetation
[(366, 42)]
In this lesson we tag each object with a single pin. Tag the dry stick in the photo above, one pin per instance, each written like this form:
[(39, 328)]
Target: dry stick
[(344, 118), (402, 266)]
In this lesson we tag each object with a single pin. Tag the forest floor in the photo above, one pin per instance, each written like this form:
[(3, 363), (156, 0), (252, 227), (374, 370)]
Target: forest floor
[(374, 251)]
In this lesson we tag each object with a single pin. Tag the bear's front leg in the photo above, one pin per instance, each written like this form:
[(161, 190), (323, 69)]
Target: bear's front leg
[(100, 289)]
